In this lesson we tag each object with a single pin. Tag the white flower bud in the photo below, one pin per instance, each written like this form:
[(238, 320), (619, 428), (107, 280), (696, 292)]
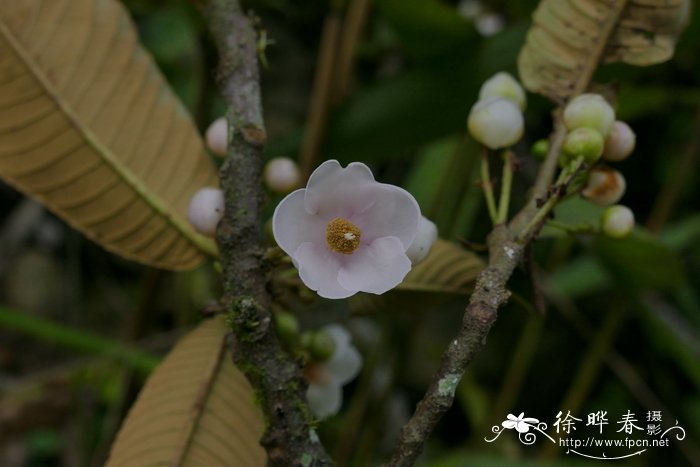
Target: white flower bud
[(503, 85), (605, 186), (589, 111), (217, 136), (489, 24), (425, 238), (281, 175), (620, 142), (496, 122), (583, 142), (206, 210), (617, 221)]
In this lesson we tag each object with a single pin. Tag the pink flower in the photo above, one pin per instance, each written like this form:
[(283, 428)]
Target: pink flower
[(347, 233)]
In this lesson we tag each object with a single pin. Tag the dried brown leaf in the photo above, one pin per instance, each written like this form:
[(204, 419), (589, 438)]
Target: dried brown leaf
[(197, 408), (570, 38), (89, 127)]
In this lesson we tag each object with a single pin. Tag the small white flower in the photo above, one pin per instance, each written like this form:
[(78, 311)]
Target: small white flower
[(281, 175), (589, 111), (620, 142), (347, 233), (521, 425), (206, 210), (326, 379), (427, 234), (617, 221), (216, 136), (496, 122), (503, 84)]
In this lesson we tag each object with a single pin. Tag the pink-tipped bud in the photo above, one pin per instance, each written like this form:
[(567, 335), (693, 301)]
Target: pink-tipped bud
[(217, 137), (206, 210), (605, 186), (282, 175), (620, 142)]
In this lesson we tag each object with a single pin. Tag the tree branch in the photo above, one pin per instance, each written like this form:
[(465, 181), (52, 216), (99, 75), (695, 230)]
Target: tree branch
[(489, 294), (275, 375)]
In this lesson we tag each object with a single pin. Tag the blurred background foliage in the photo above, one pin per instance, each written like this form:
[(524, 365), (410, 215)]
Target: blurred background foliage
[(593, 324)]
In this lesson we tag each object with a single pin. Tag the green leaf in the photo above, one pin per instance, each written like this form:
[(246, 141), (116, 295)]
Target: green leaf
[(640, 261), (425, 27)]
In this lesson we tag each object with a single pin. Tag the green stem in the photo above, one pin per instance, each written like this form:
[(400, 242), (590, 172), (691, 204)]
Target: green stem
[(506, 183), (572, 229), (487, 186), (559, 191), (77, 340)]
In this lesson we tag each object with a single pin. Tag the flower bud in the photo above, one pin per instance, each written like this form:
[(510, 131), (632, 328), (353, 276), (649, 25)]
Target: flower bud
[(620, 142), (287, 327), (605, 186), (503, 85), (206, 210), (617, 221), (540, 148), (496, 122), (281, 175), (589, 111), (217, 136), (321, 346), (489, 24), (582, 142), (425, 238)]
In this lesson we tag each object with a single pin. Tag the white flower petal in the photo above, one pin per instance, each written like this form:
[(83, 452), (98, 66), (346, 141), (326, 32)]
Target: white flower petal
[(318, 268), (394, 212), (339, 334), (334, 191), (375, 268), (509, 424), (344, 365), (292, 225), (324, 399)]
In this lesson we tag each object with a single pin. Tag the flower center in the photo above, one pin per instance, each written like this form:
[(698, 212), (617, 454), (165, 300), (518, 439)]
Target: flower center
[(342, 236)]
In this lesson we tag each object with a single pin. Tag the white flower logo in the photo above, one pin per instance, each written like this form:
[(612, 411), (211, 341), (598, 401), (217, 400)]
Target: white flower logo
[(522, 425)]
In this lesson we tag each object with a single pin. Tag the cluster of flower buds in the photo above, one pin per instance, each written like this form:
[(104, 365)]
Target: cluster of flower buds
[(496, 120), (594, 134)]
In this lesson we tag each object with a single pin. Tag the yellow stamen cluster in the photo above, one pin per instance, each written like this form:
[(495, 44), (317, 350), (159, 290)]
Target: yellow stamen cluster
[(342, 236)]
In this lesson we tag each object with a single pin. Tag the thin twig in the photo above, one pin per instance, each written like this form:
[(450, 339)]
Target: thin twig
[(487, 185), (275, 375), (355, 19), (321, 92), (506, 184), (490, 293)]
